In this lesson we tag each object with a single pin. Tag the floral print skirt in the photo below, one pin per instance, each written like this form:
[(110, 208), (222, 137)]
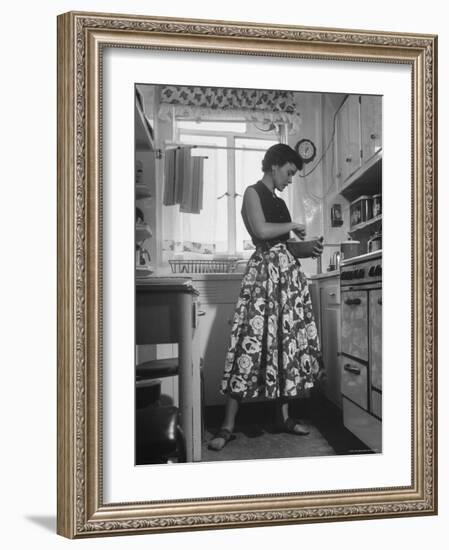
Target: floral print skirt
[(274, 349)]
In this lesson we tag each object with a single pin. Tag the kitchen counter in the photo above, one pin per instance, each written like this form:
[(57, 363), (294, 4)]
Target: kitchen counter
[(199, 276), (236, 276), (363, 257), (325, 275), (165, 284)]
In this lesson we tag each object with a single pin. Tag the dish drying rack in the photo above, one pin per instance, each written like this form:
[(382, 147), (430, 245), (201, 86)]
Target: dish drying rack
[(203, 266)]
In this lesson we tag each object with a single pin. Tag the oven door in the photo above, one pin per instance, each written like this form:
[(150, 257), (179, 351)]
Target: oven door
[(354, 323), (354, 382)]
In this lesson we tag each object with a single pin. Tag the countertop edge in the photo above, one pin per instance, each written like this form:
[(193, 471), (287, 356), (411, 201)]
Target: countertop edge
[(326, 275)]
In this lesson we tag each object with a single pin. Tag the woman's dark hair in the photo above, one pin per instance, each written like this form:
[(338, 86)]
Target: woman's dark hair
[(280, 154)]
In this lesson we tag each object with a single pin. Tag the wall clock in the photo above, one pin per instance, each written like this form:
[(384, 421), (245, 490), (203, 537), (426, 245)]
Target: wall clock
[(306, 150)]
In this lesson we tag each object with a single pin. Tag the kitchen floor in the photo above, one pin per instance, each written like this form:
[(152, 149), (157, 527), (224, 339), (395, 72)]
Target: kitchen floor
[(255, 436)]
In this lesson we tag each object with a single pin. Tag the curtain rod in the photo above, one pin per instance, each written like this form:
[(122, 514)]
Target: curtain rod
[(200, 146)]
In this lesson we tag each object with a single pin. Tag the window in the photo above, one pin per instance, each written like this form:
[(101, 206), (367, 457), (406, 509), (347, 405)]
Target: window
[(210, 226), (228, 170)]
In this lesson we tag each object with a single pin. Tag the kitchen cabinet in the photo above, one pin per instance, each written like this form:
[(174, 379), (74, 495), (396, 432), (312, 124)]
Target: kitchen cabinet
[(218, 297), (325, 294), (348, 138), (330, 335), (314, 290), (370, 126), (359, 146), (165, 314), (215, 331), (360, 176)]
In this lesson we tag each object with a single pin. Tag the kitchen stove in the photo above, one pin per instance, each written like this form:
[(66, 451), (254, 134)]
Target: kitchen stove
[(362, 270), (361, 347)]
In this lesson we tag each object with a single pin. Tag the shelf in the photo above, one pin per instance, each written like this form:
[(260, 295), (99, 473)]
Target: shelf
[(367, 225), (367, 180), (142, 191), (144, 271), (143, 231)]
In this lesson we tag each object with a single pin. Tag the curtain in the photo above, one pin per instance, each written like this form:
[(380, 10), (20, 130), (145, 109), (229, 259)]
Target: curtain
[(183, 180), (184, 231), (258, 106)]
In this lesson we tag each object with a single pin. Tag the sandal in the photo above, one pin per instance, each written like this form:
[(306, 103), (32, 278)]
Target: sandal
[(225, 435), (288, 426)]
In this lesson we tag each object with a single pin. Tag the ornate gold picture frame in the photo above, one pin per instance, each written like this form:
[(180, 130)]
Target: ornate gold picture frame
[(82, 40)]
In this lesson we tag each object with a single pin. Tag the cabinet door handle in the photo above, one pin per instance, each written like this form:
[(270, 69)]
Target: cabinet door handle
[(201, 313), (353, 301), (373, 136), (348, 159), (350, 368), (332, 293), (379, 301)]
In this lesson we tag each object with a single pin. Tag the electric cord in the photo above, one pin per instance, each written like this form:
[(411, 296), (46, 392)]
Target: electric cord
[(330, 140)]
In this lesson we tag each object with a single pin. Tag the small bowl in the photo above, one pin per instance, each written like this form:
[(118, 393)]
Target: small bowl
[(303, 249)]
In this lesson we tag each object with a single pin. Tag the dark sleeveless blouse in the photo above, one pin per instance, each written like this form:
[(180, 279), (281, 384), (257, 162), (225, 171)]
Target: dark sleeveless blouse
[(275, 211)]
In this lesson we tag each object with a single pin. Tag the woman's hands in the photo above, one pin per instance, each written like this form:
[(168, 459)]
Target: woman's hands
[(299, 229), (318, 248), (312, 248)]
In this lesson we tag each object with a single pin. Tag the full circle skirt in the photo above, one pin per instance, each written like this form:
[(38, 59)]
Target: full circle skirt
[(274, 348)]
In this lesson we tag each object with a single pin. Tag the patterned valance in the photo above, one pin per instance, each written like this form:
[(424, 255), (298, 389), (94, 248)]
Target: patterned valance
[(200, 103)]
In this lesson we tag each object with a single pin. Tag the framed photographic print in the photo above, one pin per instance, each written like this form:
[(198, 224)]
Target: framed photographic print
[(246, 274)]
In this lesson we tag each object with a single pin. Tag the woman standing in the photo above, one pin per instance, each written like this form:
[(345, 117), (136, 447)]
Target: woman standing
[(274, 349)]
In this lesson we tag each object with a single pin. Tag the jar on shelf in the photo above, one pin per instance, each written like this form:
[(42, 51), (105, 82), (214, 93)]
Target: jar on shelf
[(361, 210), (377, 205), (375, 242)]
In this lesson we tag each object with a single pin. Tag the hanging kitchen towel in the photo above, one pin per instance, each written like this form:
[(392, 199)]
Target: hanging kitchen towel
[(186, 193), (197, 184), (193, 196), (169, 177), (201, 183), (182, 168), (179, 175)]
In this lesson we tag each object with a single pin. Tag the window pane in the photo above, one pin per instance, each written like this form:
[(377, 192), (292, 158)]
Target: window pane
[(248, 170)]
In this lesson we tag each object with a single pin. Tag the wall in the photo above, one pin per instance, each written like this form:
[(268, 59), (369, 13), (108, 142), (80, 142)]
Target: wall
[(307, 187), (28, 295)]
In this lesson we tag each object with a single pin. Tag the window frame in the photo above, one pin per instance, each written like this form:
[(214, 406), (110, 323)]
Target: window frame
[(231, 138)]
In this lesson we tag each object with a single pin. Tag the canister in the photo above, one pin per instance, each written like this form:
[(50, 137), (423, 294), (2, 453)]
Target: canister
[(377, 205), (375, 242), (349, 249), (361, 210)]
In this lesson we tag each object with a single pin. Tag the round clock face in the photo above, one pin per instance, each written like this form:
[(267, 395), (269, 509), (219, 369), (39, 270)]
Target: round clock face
[(306, 150)]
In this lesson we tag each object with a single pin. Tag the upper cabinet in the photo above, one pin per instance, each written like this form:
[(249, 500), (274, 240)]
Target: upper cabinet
[(348, 138), (359, 152), (370, 126)]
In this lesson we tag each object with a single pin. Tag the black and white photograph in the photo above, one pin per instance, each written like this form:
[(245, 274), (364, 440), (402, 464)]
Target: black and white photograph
[(238, 344), (258, 274)]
